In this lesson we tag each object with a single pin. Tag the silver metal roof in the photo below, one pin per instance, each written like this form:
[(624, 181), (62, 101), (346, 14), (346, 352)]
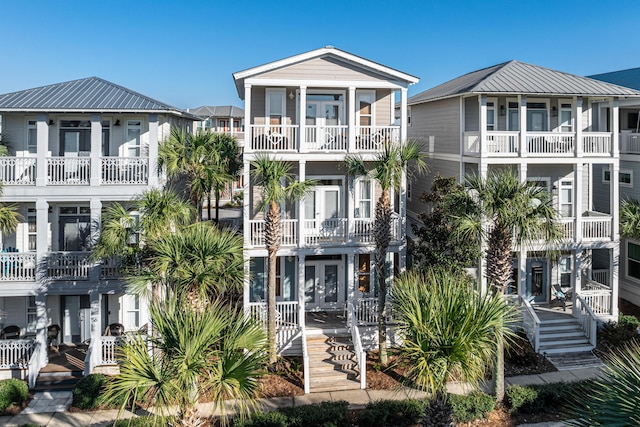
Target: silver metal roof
[(89, 94), (516, 77), (628, 78), (217, 111)]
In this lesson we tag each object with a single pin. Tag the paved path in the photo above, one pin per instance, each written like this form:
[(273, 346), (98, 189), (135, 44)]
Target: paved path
[(49, 408)]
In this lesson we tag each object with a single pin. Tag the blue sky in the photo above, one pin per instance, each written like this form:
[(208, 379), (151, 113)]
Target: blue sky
[(184, 52)]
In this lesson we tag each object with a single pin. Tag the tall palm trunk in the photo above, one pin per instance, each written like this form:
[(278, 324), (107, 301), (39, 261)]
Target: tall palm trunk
[(499, 274), (217, 195), (382, 233), (272, 240)]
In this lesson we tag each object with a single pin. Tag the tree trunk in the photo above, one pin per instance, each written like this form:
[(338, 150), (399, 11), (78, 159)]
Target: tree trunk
[(217, 194), (209, 206), (272, 240), (382, 235)]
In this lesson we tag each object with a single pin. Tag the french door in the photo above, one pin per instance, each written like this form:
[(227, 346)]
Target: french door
[(323, 120), (324, 284), (324, 217)]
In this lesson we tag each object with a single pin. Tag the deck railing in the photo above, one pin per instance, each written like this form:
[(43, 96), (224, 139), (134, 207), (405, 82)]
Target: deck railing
[(68, 265), (630, 143), (373, 138), (531, 324), (288, 232), (15, 354), (111, 268), (586, 317), (361, 355), (326, 138), (36, 363), (68, 170), (18, 170), (598, 297), (596, 143), (501, 143), (567, 226), (601, 275), (125, 170), (273, 137), (17, 266), (287, 321), (555, 143), (596, 228), (330, 230), (305, 363)]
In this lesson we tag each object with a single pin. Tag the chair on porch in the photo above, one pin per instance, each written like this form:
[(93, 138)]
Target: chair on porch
[(11, 332), (114, 330), (52, 337), (561, 295)]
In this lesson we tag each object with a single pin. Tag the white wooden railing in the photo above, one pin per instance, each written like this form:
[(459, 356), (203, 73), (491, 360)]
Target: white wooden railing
[(531, 324), (111, 268), (108, 350), (287, 321), (125, 170), (16, 354), (601, 275), (36, 363), (598, 297), (17, 266), (68, 265), (586, 317), (596, 228), (305, 363), (567, 226), (550, 142), (361, 355), (273, 137), (630, 143), (326, 138), (373, 138), (596, 143), (366, 311), (471, 142), (68, 170), (501, 143), (288, 232), (18, 170), (330, 230)]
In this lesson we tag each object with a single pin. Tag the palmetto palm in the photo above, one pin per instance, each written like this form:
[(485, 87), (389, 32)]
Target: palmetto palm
[(277, 185), (449, 330), (9, 216), (217, 353), (516, 213), (227, 168), (387, 169), (630, 218)]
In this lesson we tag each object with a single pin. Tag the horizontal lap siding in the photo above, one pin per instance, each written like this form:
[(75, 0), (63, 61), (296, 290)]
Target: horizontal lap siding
[(323, 69), (422, 184), (383, 107), (440, 119)]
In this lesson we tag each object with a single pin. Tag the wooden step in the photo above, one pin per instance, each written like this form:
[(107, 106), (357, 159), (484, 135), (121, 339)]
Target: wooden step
[(56, 381)]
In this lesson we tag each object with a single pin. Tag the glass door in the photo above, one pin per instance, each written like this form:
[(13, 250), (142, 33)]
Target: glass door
[(324, 287), (323, 212), (536, 289), (323, 120)]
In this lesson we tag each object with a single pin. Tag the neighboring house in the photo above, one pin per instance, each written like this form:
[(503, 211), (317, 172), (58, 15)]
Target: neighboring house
[(74, 148), (629, 177), (312, 110), (555, 129)]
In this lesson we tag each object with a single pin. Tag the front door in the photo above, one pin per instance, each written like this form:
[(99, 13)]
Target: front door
[(537, 282), (324, 284), (75, 233), (323, 214), (76, 320)]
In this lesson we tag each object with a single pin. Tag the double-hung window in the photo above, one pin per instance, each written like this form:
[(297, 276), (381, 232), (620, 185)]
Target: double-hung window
[(32, 137), (566, 198), (633, 260), (133, 135), (566, 270), (566, 117), (364, 197), (275, 106)]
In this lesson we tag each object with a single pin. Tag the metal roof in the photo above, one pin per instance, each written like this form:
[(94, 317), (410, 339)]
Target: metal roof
[(217, 111), (516, 77), (89, 94), (628, 78)]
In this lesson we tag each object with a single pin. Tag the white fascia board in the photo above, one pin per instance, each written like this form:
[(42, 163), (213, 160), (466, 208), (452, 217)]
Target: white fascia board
[(326, 83)]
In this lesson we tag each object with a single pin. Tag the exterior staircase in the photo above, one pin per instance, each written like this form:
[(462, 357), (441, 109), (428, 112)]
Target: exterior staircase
[(333, 365), (57, 381), (563, 335)]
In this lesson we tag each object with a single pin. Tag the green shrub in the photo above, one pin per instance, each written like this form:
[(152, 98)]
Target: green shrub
[(86, 394), (471, 407), (325, 414), (12, 392), (616, 334), (519, 396), (394, 413), (146, 421), (264, 419)]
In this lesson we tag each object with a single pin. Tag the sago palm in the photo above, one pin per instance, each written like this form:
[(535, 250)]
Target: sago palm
[(387, 169), (217, 354), (515, 213), (277, 185)]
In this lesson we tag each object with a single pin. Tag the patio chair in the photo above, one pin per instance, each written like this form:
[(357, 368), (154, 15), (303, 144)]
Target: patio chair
[(561, 296), (11, 332), (52, 337), (115, 330)]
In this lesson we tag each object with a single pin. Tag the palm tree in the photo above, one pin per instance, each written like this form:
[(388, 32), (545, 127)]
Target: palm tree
[(216, 353), (449, 330), (226, 170), (630, 218), (387, 169), (277, 185), (516, 213)]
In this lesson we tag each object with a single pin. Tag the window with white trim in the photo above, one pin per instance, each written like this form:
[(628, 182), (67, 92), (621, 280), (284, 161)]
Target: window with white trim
[(625, 177), (32, 137), (565, 267), (633, 260), (32, 230), (364, 105), (566, 198), (275, 106), (513, 116), (364, 198), (133, 137), (132, 314), (566, 117), (32, 314), (409, 116), (491, 115)]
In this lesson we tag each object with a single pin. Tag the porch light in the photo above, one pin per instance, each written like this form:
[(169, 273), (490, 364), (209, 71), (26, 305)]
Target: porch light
[(50, 122), (503, 110), (291, 95), (554, 111), (117, 123)]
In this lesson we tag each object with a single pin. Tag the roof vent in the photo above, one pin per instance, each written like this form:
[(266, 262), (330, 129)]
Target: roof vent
[(328, 47)]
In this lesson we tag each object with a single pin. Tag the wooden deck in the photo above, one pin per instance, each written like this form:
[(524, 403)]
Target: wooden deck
[(70, 358)]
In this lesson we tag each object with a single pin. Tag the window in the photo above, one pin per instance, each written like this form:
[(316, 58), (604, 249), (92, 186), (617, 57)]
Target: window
[(364, 199), (491, 115), (625, 177), (513, 117), (408, 116), (132, 314), (133, 136), (275, 106), (566, 118), (537, 117), (633, 260), (566, 198), (32, 314), (32, 229), (364, 273), (632, 121), (106, 127), (365, 108), (32, 137), (565, 266)]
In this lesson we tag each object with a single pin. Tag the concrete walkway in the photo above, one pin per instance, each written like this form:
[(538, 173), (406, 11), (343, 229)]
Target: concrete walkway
[(39, 413)]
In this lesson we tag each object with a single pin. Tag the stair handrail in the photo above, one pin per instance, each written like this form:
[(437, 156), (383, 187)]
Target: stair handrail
[(361, 355), (35, 363), (531, 323), (587, 319), (305, 363)]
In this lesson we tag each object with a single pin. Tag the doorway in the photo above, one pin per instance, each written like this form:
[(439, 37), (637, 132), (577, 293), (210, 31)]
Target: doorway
[(537, 281), (323, 120), (324, 284), (76, 319)]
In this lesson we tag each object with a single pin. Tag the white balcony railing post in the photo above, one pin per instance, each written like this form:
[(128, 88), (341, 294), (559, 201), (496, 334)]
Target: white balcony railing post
[(18, 170), (125, 170)]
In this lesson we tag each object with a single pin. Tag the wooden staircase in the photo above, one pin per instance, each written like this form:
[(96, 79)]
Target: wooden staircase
[(333, 365), (562, 335)]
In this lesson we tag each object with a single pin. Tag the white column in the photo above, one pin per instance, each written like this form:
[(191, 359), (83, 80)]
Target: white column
[(302, 176), (246, 208), (246, 284), (482, 130), (615, 255), (403, 115), (402, 263), (301, 296), (577, 271), (42, 147), (96, 149), (96, 216), (352, 119), (482, 276), (248, 132), (614, 128), (302, 119), (95, 313), (578, 131), (230, 125), (523, 125), (42, 227), (351, 207), (523, 172), (522, 271), (614, 202), (351, 282), (578, 170), (153, 149)]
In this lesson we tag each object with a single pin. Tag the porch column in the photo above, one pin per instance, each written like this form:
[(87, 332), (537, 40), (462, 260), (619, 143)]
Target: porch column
[(522, 271), (352, 119), (42, 149), (153, 149), (523, 125), (41, 327), (42, 237), (351, 207), (301, 293), (482, 276), (230, 125), (482, 129), (96, 216), (403, 115), (577, 172), (302, 172), (351, 282), (614, 200), (523, 172), (302, 119), (578, 272), (246, 200), (248, 132), (96, 150), (613, 275), (246, 284), (402, 262), (615, 147), (95, 298), (578, 131)]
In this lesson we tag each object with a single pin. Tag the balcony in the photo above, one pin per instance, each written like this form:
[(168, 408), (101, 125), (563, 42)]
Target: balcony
[(125, 170), (17, 266), (545, 144), (68, 265), (287, 138), (18, 170), (629, 143)]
